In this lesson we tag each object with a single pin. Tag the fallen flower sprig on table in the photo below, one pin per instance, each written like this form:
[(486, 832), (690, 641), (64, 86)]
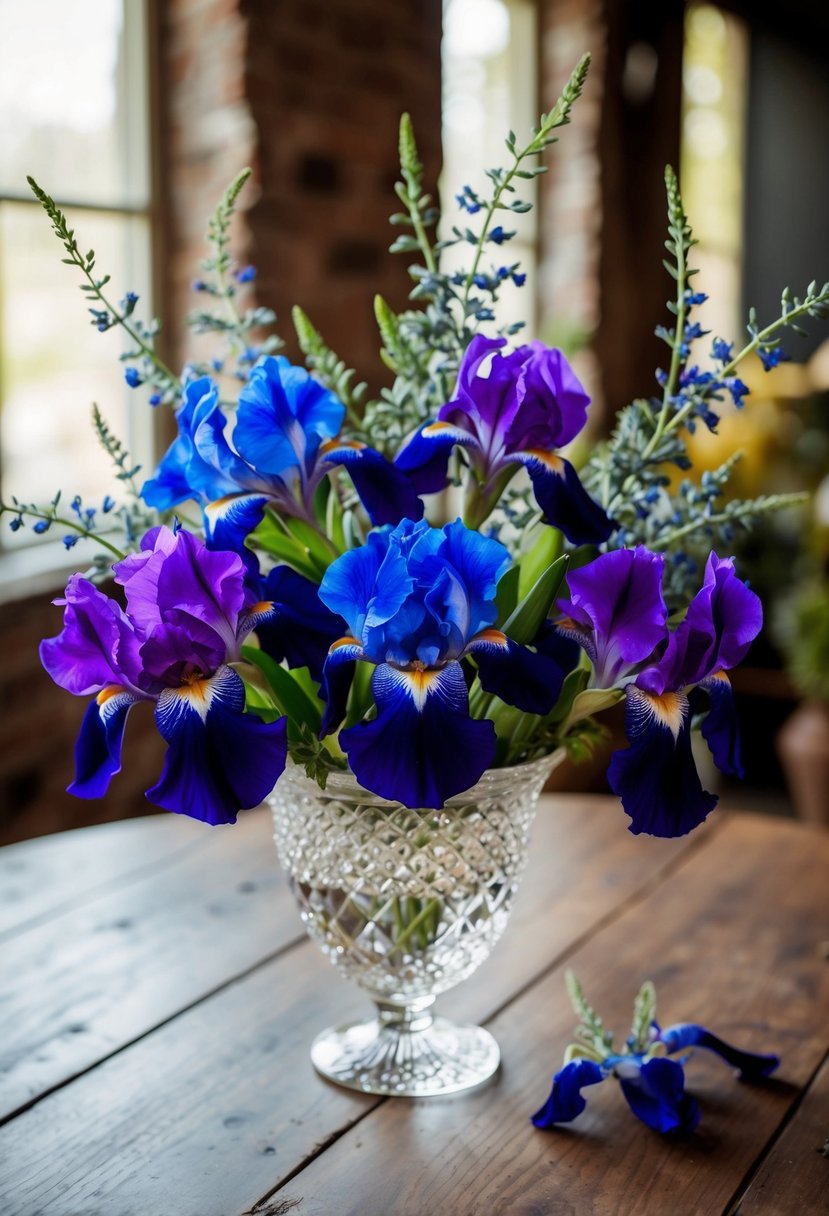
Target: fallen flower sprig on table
[(653, 1086)]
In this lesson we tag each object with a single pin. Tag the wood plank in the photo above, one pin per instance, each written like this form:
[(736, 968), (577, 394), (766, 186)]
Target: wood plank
[(82, 985), (794, 1176), (731, 940), (44, 877), (213, 1109)]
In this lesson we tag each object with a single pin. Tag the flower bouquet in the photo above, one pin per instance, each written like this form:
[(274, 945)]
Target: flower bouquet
[(400, 611)]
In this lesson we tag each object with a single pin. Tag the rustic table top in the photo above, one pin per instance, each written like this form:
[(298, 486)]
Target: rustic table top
[(159, 997)]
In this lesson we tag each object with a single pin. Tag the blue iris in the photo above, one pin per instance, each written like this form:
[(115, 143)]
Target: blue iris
[(285, 443), (653, 1086), (417, 600)]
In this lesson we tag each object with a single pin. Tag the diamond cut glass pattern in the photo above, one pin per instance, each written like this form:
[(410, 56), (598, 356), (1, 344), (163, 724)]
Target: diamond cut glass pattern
[(406, 903)]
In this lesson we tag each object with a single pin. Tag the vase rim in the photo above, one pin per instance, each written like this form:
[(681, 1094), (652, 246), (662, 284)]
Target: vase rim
[(344, 781)]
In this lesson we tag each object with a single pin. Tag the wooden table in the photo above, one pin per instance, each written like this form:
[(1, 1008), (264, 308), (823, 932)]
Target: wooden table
[(159, 996)]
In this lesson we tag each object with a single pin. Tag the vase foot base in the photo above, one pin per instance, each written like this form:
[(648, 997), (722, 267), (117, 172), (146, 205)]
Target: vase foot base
[(377, 1058)]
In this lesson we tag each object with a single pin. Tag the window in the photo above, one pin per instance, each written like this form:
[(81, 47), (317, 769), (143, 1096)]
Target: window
[(73, 114), (714, 83), (489, 88)]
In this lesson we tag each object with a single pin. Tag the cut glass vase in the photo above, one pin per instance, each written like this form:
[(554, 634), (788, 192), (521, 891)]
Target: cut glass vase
[(406, 903)]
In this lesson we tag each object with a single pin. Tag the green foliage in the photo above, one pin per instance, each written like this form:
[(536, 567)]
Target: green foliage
[(583, 738), (644, 1012), (288, 694), (220, 284), (156, 374), (297, 542), (126, 471), (330, 370), (273, 690), (594, 1041), (524, 622)]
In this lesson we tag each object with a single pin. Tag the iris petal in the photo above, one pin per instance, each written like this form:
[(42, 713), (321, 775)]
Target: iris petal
[(98, 748), (617, 611), (352, 586), (687, 1034), (422, 747), (720, 729), (655, 776), (531, 682), (182, 471), (283, 417), (219, 760), (727, 613), (563, 499), (229, 521), (425, 456), (657, 1096), (387, 493), (300, 629), (480, 562), (337, 675), (565, 1102), (97, 646)]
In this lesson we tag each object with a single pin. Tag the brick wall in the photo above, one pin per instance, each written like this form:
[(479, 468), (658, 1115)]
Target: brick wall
[(309, 94)]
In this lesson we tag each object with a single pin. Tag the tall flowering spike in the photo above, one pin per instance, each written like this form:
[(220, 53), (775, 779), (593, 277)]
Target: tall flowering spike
[(511, 410), (187, 613), (286, 441), (656, 776), (416, 601)]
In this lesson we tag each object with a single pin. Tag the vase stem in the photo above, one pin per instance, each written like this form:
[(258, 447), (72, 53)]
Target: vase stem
[(410, 1018)]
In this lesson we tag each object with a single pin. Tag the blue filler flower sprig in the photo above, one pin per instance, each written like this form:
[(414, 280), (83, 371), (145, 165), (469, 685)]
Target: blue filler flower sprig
[(631, 474), (147, 367), (218, 285), (653, 1085)]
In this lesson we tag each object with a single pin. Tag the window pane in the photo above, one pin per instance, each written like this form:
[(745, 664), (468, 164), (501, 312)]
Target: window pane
[(714, 76), (73, 99), (55, 363), (489, 88)]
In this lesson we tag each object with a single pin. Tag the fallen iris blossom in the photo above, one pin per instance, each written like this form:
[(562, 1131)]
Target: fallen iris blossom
[(652, 1084)]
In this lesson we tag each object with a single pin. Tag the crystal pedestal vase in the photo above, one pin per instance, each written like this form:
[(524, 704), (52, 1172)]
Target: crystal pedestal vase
[(406, 903)]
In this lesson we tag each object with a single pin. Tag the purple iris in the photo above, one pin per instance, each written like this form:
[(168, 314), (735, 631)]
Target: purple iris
[(417, 601), (528, 406), (616, 611), (285, 444), (653, 1086), (187, 615)]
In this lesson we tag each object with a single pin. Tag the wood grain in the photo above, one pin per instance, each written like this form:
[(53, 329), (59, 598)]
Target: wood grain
[(212, 1110), (82, 985), (43, 878), (731, 940), (794, 1177)]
